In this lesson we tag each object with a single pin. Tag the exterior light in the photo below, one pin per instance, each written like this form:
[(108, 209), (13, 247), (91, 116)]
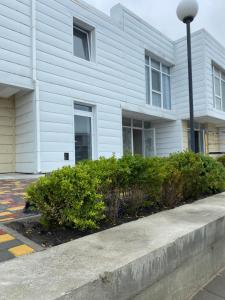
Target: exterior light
[(187, 9), (186, 12)]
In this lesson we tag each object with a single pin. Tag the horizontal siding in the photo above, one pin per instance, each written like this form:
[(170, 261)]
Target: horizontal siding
[(116, 76), (25, 137), (214, 52), (168, 137), (180, 93), (222, 139), (15, 43), (7, 135), (213, 138)]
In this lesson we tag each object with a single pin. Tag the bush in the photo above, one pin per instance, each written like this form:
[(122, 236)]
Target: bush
[(192, 176), (215, 175), (68, 197), (81, 196), (221, 159)]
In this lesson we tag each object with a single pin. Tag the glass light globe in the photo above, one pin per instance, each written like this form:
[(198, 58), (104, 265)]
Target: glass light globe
[(187, 9)]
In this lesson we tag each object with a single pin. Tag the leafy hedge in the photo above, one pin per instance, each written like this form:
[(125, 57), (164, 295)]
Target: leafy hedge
[(221, 159), (83, 195)]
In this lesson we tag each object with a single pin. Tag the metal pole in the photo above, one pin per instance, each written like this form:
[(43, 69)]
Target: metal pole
[(192, 130)]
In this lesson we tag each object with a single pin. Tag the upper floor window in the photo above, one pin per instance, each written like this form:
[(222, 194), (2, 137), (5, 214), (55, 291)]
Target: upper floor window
[(157, 77), (219, 88), (83, 40)]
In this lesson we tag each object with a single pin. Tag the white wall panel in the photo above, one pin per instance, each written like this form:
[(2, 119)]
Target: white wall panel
[(25, 134), (7, 135), (15, 43)]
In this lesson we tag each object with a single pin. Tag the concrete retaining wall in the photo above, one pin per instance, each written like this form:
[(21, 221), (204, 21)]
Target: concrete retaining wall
[(166, 256)]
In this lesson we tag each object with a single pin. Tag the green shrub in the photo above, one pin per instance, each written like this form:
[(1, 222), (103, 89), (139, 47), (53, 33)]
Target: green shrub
[(194, 175), (221, 159), (68, 197), (215, 175), (82, 195)]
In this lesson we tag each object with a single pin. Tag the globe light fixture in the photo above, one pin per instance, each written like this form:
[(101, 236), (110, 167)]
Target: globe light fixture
[(187, 10)]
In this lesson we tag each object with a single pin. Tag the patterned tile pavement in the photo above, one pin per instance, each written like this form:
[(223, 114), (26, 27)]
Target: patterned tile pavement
[(11, 247), (12, 203), (12, 199)]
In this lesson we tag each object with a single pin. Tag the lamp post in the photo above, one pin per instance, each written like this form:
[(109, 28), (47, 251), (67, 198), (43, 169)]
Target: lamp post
[(186, 12)]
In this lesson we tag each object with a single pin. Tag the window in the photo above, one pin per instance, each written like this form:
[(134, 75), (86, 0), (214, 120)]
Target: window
[(138, 137), (157, 77), (219, 88), (83, 127), (81, 42)]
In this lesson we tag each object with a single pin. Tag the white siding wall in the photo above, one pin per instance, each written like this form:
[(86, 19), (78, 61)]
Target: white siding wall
[(216, 53), (25, 134), (213, 138), (117, 76), (180, 93), (7, 135), (222, 139), (168, 137), (15, 42)]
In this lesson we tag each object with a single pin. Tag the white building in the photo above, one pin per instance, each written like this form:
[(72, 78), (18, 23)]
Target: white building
[(76, 83)]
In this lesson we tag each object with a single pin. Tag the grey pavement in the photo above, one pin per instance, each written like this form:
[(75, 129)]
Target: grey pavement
[(215, 290)]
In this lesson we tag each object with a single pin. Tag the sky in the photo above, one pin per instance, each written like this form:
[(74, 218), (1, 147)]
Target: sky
[(162, 15)]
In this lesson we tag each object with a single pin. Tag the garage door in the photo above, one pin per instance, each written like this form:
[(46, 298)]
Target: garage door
[(7, 135)]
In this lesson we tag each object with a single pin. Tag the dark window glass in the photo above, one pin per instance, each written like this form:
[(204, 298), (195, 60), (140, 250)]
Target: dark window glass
[(81, 45), (137, 141), (147, 83), (127, 140), (82, 107), (83, 142), (137, 123), (126, 121), (156, 81)]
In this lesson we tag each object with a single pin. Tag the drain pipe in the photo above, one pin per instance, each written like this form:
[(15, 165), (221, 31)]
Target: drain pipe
[(36, 85)]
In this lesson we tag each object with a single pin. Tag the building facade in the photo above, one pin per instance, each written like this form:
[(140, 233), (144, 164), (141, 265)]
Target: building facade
[(78, 84)]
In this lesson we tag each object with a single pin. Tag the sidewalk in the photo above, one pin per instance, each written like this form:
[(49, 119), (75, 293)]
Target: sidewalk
[(215, 290)]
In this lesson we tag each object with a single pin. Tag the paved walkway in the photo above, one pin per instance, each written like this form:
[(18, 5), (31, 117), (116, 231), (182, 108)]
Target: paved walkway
[(12, 190), (11, 247), (12, 199), (215, 290)]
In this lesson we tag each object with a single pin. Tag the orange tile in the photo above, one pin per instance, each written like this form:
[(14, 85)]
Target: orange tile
[(6, 220), (21, 207), (5, 213)]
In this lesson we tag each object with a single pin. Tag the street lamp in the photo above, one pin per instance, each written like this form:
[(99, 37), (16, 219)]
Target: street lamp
[(186, 12)]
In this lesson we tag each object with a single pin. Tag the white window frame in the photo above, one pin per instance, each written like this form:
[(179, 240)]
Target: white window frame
[(160, 70), (89, 114), (142, 129), (216, 96), (88, 34)]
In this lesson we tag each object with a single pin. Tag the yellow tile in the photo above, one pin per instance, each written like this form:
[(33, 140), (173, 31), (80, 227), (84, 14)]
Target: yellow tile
[(5, 213), (6, 238), (5, 202), (16, 208), (6, 220), (21, 250)]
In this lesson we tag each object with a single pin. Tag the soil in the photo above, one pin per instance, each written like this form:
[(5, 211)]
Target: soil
[(50, 237)]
